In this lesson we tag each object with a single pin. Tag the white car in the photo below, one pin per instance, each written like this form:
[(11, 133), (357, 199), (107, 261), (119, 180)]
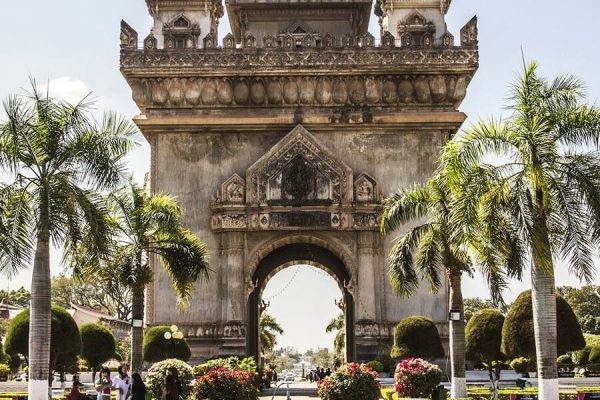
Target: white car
[(289, 377)]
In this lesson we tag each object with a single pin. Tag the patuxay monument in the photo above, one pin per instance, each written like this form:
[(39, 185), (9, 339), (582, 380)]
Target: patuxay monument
[(282, 138)]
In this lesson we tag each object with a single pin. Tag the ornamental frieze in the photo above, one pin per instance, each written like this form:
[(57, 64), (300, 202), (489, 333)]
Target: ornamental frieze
[(269, 58), (279, 91), (229, 330)]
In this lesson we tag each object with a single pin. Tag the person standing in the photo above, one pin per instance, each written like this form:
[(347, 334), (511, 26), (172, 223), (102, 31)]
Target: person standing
[(103, 385), (170, 391), (138, 388), (175, 374), (122, 383)]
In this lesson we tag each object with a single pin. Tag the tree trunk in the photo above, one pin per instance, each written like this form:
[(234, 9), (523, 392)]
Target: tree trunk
[(40, 318), (458, 388), (137, 334), (544, 314)]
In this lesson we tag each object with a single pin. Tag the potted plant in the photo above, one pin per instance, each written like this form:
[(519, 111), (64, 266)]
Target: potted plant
[(416, 378)]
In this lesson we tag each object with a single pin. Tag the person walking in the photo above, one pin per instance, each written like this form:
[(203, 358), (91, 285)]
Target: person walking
[(173, 372), (122, 383), (103, 385), (138, 388), (170, 391)]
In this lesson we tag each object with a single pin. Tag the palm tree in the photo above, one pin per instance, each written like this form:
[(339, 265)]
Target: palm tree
[(435, 246), (269, 329), (338, 325), (56, 157), (145, 226), (539, 175)]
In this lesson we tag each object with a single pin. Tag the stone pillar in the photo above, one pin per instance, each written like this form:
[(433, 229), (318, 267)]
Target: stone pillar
[(367, 289), (234, 277)]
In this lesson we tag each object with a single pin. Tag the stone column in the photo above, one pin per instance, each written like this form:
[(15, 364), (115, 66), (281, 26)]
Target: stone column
[(234, 277), (367, 289)]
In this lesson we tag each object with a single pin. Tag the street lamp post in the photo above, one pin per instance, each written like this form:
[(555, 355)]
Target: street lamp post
[(173, 336)]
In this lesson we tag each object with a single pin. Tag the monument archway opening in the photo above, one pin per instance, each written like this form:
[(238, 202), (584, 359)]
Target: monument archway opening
[(297, 254)]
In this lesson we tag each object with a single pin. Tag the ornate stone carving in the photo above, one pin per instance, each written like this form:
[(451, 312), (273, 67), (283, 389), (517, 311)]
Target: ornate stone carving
[(367, 40), (329, 41), (388, 39), (445, 6), (415, 30), (468, 34), (366, 220), (210, 60), (298, 170), (369, 328), (210, 41), (365, 189), (129, 37), (447, 39), (249, 41), (233, 190), (229, 221), (150, 43), (269, 41), (229, 41), (231, 329)]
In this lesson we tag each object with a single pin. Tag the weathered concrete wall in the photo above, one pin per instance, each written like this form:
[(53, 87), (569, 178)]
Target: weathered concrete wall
[(192, 166)]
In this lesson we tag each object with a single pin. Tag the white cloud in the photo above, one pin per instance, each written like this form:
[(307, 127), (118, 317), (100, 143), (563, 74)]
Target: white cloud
[(73, 90)]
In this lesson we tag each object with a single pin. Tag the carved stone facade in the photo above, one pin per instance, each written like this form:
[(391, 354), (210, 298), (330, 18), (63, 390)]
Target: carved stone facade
[(282, 143)]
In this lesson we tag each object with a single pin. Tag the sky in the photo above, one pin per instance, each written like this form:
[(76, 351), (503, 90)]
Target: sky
[(74, 46)]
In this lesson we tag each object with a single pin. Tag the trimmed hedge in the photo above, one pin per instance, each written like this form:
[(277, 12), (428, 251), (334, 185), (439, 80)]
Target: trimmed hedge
[(65, 341), (418, 337), (98, 344), (483, 336), (518, 338), (156, 348)]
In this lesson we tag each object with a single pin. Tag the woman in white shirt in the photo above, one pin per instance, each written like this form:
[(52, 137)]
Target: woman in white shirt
[(122, 383)]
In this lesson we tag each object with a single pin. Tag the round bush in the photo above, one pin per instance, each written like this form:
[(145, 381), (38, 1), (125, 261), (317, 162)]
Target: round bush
[(98, 344), (223, 383), (518, 338), (483, 336), (583, 356), (417, 337), (65, 341), (350, 382), (565, 360), (520, 365), (594, 357), (156, 348), (155, 379), (375, 366), (4, 371), (415, 377)]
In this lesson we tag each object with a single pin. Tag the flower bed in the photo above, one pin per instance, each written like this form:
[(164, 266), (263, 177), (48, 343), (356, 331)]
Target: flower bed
[(416, 378), (223, 383), (157, 372), (504, 394), (351, 382)]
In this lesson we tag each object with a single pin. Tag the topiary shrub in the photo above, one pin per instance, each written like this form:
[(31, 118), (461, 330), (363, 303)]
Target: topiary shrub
[(156, 348), (417, 337), (155, 379), (518, 338), (98, 346), (483, 336), (350, 382), (583, 356), (375, 366), (520, 365), (565, 360), (65, 341), (387, 361), (594, 357)]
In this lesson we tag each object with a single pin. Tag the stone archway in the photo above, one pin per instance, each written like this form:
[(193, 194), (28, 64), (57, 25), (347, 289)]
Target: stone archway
[(296, 253)]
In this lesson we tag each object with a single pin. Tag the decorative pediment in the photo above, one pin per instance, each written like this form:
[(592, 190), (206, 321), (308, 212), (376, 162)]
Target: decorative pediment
[(298, 28), (233, 190), (129, 37), (365, 189), (299, 171), (229, 41)]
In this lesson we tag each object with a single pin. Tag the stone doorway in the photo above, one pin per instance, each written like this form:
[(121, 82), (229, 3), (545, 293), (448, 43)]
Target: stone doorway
[(293, 254)]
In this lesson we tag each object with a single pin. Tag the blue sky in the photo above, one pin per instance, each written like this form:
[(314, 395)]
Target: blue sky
[(74, 44)]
